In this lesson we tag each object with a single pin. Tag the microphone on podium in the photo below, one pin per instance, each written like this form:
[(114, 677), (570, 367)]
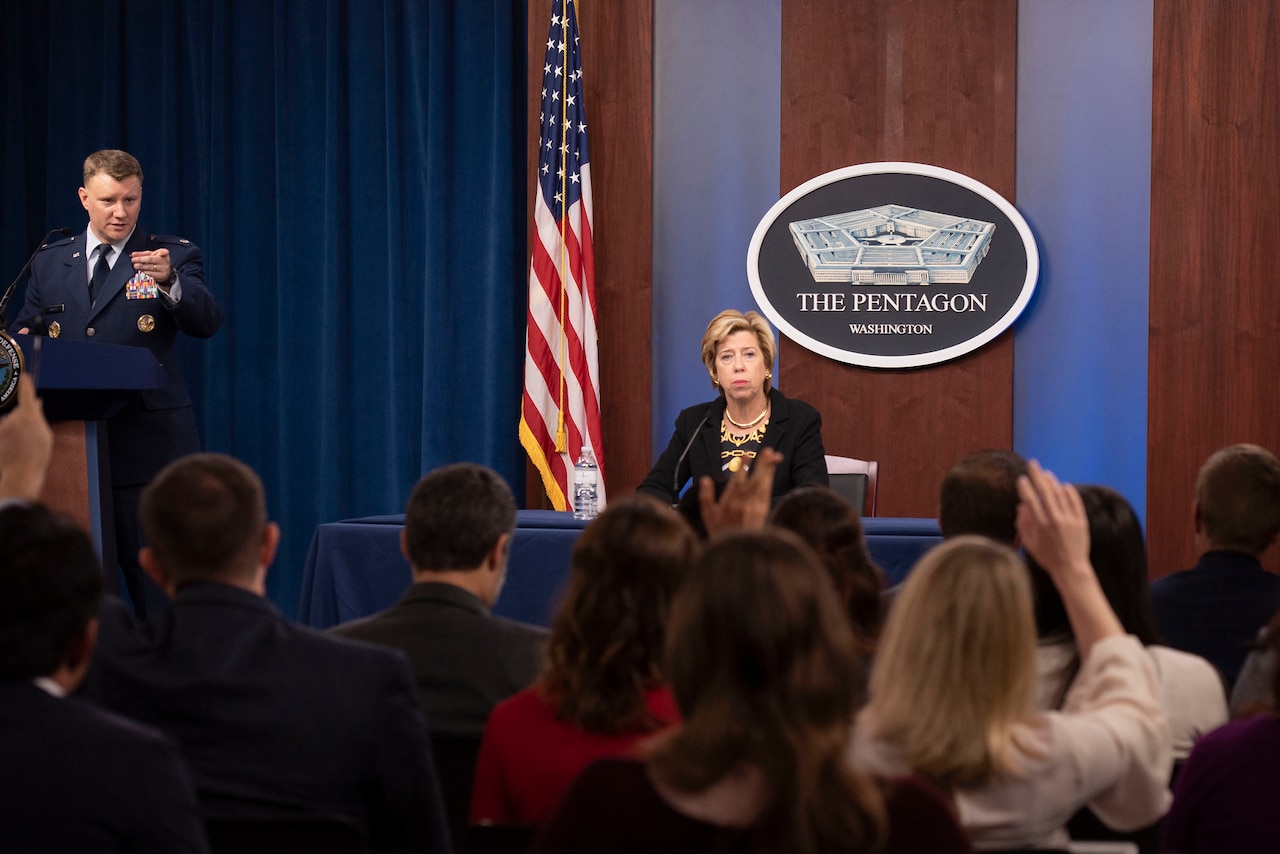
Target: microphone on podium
[(8, 294), (12, 364)]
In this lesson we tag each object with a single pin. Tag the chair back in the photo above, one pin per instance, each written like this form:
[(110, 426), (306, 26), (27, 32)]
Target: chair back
[(320, 834), (499, 839), (455, 756), (1086, 827), (856, 481), (1100, 846)]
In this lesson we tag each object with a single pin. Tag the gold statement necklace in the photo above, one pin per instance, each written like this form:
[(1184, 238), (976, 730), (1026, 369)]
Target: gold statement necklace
[(751, 423)]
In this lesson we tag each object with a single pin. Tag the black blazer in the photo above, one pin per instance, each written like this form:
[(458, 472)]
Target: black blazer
[(465, 660), (795, 429), (1215, 609), (78, 778), (275, 718)]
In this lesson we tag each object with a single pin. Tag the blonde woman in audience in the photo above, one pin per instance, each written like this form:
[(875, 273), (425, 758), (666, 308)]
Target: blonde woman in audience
[(603, 689), (761, 659), (953, 688)]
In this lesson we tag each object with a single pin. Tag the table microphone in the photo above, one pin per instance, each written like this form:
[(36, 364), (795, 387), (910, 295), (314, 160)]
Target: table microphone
[(675, 477), (8, 294)]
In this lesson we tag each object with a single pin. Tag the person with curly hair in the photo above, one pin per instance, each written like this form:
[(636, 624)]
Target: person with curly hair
[(603, 689)]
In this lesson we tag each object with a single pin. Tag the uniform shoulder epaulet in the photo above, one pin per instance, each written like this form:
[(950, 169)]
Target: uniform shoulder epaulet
[(169, 238), (63, 241)]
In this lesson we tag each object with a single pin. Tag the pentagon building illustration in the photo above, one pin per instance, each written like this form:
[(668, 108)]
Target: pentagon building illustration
[(892, 245)]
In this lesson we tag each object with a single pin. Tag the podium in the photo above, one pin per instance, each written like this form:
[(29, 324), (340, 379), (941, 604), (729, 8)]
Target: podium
[(82, 384)]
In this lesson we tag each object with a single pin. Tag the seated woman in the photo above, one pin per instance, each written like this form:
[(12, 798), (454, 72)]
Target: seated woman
[(717, 438), (830, 526), (761, 658), (953, 688), (1224, 800), (1191, 691), (603, 688)]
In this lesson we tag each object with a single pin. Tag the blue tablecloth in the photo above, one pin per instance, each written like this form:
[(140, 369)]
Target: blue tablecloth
[(354, 568)]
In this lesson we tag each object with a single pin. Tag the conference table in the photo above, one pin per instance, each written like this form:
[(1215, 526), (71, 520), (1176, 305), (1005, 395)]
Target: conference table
[(354, 568)]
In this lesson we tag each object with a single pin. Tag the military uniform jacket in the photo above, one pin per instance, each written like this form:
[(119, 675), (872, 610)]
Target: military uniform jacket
[(158, 426)]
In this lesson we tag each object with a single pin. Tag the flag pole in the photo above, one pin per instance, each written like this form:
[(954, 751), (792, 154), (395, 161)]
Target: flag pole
[(562, 441)]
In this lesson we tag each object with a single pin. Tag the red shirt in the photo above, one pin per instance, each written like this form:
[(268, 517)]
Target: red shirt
[(528, 759)]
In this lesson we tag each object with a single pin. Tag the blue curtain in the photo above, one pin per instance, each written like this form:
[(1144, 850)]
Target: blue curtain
[(354, 172)]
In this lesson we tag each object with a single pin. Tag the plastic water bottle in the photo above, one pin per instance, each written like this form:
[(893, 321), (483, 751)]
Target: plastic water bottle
[(586, 485)]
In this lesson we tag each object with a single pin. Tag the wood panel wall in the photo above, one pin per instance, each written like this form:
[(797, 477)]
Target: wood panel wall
[(617, 71), (931, 81), (1215, 207)]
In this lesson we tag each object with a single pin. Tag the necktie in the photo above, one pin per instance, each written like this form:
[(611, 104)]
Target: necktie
[(100, 271)]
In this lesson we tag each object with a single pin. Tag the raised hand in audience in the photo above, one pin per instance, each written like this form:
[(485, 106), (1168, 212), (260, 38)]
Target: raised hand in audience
[(1055, 531), (745, 502), (26, 443)]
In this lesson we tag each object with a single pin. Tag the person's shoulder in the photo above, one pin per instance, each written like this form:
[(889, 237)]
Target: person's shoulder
[(616, 785), (910, 794), (518, 630), (1185, 664), (96, 723), (61, 242), (1243, 737), (361, 628), (348, 655), (54, 252), (692, 414), (1173, 582), (522, 705), (793, 407), (169, 241), (609, 771)]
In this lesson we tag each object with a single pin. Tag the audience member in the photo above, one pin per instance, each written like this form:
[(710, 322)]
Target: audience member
[(831, 527), (1216, 608), (76, 777), (1191, 691), (603, 689), (1224, 800), (457, 535), (760, 657), (953, 688), (979, 495), (274, 719), (713, 507)]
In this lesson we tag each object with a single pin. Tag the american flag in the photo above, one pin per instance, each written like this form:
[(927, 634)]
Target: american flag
[(560, 412)]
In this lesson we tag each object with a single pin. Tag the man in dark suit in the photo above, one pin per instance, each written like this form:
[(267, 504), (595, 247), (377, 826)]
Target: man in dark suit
[(1216, 608), (457, 535), (116, 283), (274, 718), (76, 777)]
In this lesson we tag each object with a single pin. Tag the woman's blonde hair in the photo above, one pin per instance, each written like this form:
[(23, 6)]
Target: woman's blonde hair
[(725, 324), (955, 670)]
